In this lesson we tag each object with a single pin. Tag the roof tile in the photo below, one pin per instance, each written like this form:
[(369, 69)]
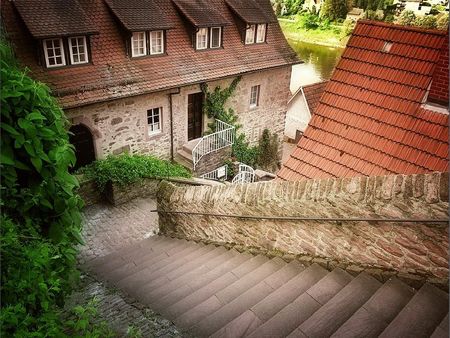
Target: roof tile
[(369, 120)]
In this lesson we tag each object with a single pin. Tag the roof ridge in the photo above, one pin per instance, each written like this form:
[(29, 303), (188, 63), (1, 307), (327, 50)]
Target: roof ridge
[(385, 138), (401, 27)]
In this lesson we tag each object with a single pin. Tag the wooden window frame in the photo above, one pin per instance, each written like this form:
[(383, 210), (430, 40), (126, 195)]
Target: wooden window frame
[(150, 132), (258, 92), (71, 55), (145, 44), (46, 56), (151, 42), (211, 39), (197, 39)]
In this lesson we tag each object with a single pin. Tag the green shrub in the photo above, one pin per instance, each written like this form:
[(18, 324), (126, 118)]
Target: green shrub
[(268, 145), (40, 213), (245, 153), (126, 169)]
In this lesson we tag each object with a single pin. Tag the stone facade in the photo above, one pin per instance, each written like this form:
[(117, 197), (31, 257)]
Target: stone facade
[(418, 250), (121, 125)]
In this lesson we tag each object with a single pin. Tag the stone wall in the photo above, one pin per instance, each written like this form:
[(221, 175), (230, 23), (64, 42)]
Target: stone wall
[(89, 193), (411, 250), (121, 125), (212, 161)]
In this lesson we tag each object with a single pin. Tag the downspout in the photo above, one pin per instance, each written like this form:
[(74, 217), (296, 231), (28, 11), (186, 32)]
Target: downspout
[(171, 121)]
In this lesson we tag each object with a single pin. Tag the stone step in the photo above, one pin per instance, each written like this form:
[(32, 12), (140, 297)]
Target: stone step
[(245, 280), (147, 272), (179, 301), (182, 268), (325, 321), (177, 282), (246, 300), (442, 330), (421, 316), (295, 313), (376, 314), (116, 258), (189, 146), (273, 303), (185, 159)]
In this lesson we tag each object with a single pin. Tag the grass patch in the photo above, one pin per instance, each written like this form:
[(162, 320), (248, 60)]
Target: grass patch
[(126, 169), (329, 36)]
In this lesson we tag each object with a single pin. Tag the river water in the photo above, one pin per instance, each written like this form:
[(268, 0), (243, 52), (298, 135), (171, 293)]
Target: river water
[(319, 62)]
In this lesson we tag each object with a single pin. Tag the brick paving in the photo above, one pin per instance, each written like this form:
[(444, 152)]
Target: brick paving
[(106, 229)]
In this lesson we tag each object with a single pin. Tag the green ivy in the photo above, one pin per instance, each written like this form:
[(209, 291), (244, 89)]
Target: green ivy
[(126, 169)]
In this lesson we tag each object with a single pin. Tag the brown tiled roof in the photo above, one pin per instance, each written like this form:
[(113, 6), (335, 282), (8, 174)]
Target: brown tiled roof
[(139, 15), (50, 18), (253, 11), (112, 74), (313, 92), (370, 120), (201, 13)]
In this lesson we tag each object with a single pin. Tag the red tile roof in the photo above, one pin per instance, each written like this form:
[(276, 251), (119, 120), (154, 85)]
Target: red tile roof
[(112, 74), (139, 15), (201, 13), (252, 11), (370, 119), (313, 92), (51, 18)]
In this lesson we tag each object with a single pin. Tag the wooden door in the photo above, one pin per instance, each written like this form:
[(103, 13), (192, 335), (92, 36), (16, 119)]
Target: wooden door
[(84, 145), (195, 116)]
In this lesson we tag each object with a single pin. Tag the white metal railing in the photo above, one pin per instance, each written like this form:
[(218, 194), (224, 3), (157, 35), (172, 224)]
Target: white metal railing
[(246, 174), (221, 138), (218, 174)]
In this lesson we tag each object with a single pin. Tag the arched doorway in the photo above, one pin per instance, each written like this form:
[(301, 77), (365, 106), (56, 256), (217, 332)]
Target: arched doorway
[(84, 145)]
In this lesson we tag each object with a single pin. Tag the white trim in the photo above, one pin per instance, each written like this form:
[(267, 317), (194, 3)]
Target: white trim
[(263, 35), (249, 41), (132, 44), (63, 57), (258, 90), (162, 43), (159, 130), (197, 39), (71, 51), (220, 37)]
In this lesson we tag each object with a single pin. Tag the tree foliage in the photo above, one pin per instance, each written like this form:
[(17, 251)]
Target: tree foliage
[(406, 18), (40, 215), (334, 10)]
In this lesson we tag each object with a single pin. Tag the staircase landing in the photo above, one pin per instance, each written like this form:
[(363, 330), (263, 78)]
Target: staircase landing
[(210, 291)]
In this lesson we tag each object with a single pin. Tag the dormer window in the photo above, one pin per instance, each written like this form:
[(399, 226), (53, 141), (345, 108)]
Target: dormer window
[(208, 38), (138, 44), (156, 42), (255, 34), (60, 52), (54, 53), (202, 38), (78, 50), (147, 43)]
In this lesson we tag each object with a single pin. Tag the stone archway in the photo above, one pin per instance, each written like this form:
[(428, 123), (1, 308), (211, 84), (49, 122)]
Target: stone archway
[(84, 145)]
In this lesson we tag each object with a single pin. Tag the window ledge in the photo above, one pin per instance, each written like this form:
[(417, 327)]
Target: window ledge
[(153, 135)]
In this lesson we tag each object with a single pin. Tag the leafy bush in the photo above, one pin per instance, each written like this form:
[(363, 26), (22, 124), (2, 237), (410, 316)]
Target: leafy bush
[(268, 145), (428, 22), (40, 215), (442, 21), (126, 169), (245, 153)]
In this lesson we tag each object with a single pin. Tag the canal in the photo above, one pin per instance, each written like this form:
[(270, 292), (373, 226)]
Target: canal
[(319, 62)]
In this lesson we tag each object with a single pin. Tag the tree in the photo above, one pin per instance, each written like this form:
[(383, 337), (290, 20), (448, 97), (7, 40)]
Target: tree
[(407, 18), (442, 21), (334, 9), (428, 21)]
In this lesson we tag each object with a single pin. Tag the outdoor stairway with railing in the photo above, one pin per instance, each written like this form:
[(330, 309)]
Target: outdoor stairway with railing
[(209, 290)]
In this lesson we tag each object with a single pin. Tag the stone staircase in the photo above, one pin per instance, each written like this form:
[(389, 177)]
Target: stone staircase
[(184, 154), (211, 291)]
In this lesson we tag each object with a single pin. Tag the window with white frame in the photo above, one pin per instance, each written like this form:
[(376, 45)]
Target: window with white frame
[(154, 120), (261, 33), (54, 53), (254, 96), (78, 50), (250, 34), (216, 37), (156, 42), (202, 38), (138, 44)]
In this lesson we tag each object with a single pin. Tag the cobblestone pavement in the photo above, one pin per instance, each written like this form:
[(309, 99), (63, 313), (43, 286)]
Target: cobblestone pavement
[(107, 228)]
